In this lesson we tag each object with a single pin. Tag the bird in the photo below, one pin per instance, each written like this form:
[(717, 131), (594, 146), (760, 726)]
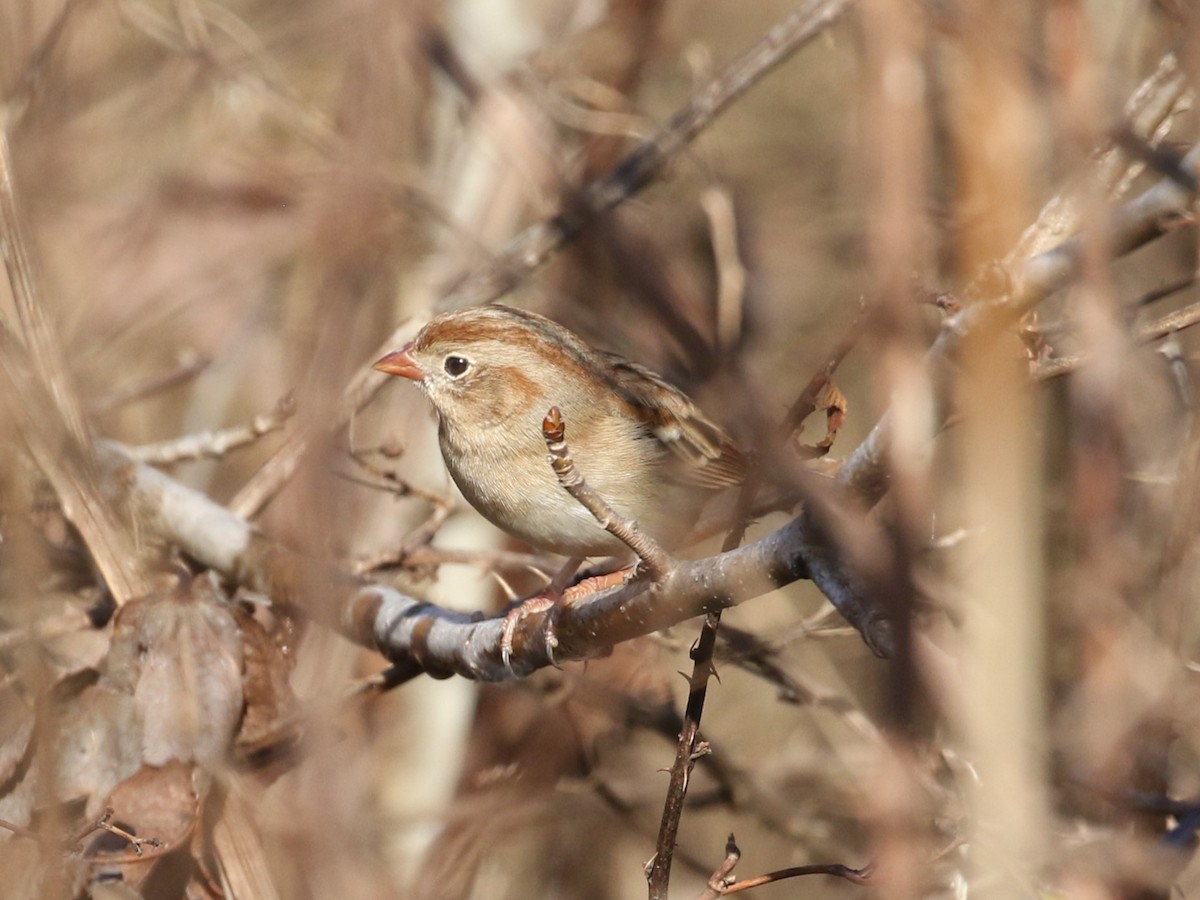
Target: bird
[(493, 372)]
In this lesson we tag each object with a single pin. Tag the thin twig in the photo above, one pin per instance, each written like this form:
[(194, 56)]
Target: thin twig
[(1166, 290), (17, 829), (214, 444), (856, 876), (105, 823), (720, 884), (656, 560), (731, 271), (1176, 320), (758, 657), (806, 404), (534, 246), (1158, 157), (688, 749), (720, 879), (391, 479), (658, 870)]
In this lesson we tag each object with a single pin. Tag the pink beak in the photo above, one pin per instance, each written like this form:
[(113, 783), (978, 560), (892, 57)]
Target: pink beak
[(398, 362)]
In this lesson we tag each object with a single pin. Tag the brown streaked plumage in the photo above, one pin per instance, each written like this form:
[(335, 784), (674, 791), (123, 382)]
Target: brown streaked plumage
[(492, 373)]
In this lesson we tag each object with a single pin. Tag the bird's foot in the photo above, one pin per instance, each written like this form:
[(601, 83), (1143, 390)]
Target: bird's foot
[(554, 600), (535, 604)]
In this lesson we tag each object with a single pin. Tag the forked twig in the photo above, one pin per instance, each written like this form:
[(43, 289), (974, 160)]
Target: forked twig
[(722, 884), (104, 823), (214, 444)]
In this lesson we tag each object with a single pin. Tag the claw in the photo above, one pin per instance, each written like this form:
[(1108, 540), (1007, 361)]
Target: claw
[(506, 639), (552, 637), (535, 604)]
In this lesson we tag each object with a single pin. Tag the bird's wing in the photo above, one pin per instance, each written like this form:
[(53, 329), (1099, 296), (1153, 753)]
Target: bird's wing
[(710, 457)]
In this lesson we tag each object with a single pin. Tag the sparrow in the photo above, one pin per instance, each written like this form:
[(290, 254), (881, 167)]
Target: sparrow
[(493, 372)]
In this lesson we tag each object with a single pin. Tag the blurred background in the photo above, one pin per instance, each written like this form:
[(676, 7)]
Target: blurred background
[(231, 205)]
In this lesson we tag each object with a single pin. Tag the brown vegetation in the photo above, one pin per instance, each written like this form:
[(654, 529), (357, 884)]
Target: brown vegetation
[(932, 263)]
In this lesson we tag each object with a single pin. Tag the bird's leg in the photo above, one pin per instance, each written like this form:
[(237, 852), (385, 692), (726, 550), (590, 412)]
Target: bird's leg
[(610, 572), (547, 599), (560, 581), (600, 581)]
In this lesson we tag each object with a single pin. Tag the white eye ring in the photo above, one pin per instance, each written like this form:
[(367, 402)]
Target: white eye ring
[(456, 366)]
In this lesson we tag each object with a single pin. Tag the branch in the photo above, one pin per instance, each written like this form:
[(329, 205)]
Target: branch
[(655, 559), (530, 249), (1174, 321), (214, 444), (722, 883), (419, 636), (1135, 224), (688, 749)]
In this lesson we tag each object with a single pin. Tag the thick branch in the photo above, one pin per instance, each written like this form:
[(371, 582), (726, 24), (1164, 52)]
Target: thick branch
[(420, 636)]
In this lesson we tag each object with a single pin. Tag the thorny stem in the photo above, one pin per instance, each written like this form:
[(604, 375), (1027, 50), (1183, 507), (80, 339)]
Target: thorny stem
[(686, 753)]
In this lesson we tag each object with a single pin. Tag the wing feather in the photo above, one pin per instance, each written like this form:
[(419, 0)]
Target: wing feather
[(709, 456)]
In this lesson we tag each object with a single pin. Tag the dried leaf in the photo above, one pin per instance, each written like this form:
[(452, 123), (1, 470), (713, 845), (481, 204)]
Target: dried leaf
[(158, 803), (99, 745), (186, 651), (270, 703), (16, 727), (830, 399), (170, 688)]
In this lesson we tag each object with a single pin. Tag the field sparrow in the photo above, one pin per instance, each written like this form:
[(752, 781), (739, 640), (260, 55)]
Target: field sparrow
[(493, 372)]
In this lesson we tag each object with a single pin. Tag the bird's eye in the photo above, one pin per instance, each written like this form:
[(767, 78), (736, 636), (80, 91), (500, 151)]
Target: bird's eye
[(456, 366)]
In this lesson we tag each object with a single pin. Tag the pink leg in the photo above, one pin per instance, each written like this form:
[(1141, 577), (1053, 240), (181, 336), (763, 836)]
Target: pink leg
[(547, 599)]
